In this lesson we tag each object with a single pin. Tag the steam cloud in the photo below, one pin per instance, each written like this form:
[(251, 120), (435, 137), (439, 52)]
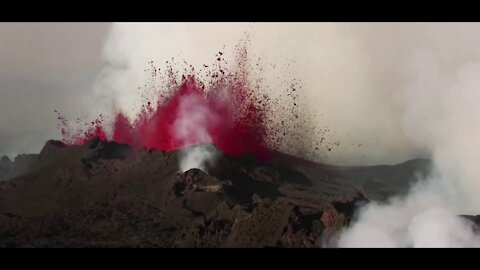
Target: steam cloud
[(191, 126), (440, 112)]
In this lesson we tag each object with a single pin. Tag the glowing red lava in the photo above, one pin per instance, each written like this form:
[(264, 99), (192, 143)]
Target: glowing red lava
[(224, 112)]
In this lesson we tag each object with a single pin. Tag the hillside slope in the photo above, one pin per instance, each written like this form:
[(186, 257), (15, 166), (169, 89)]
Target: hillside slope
[(107, 195)]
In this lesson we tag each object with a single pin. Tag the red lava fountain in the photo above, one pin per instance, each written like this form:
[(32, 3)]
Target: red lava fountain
[(224, 112)]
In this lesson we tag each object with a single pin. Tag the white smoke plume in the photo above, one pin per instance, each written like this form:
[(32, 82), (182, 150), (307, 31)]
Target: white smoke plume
[(199, 157), (191, 126), (441, 113)]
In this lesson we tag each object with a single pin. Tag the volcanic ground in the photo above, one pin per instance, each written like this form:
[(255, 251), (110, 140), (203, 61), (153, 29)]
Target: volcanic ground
[(105, 194)]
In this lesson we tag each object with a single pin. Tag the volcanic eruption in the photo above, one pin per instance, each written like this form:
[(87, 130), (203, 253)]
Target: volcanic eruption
[(224, 108), (211, 158)]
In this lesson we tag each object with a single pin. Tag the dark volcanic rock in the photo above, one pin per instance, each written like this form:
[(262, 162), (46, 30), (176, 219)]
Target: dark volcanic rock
[(109, 150), (21, 165), (103, 194), (51, 149), (5, 167), (475, 222), (5, 164)]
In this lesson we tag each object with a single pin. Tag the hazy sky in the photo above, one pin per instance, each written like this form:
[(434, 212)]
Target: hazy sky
[(44, 66), (351, 73)]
